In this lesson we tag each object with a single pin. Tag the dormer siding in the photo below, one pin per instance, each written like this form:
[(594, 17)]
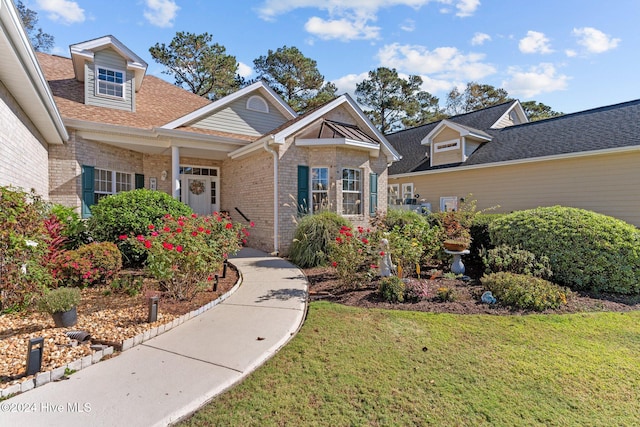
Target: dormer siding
[(447, 155), (111, 60)]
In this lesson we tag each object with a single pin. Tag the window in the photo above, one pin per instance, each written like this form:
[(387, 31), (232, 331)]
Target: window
[(351, 192), (446, 146), (319, 188), (108, 182), (110, 83), (448, 204), (257, 103), (407, 194), (393, 194)]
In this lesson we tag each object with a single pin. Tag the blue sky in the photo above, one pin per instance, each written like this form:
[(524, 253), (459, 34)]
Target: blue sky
[(569, 54)]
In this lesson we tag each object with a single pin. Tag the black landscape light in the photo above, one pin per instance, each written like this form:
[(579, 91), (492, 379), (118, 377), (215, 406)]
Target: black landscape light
[(153, 309), (215, 283), (224, 268), (34, 355)]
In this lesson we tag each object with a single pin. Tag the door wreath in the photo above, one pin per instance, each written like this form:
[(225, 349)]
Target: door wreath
[(196, 187)]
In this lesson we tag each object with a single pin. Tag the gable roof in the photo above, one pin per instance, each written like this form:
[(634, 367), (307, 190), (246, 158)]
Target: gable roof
[(258, 87), (409, 142), (152, 108), (21, 74), (81, 52)]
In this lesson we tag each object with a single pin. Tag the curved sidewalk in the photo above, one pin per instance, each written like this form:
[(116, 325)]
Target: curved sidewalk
[(170, 376)]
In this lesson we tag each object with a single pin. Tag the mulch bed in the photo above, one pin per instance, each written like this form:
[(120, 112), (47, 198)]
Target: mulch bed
[(109, 318), (324, 285)]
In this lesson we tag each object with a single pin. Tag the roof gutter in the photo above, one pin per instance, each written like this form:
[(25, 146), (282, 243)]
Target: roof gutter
[(274, 153)]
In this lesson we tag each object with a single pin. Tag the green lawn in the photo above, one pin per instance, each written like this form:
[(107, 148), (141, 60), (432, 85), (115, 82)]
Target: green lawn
[(350, 366)]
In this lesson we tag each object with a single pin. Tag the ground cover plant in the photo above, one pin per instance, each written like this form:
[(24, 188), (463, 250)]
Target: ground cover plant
[(351, 366)]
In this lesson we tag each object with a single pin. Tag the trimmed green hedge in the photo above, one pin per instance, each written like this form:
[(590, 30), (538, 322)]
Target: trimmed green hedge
[(586, 250), (526, 292)]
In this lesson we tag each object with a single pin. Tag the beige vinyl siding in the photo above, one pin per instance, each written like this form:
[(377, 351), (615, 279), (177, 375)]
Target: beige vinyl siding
[(108, 58), (235, 118), (607, 183), (504, 122), (470, 147)]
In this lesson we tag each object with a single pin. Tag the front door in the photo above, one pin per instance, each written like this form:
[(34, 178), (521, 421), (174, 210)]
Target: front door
[(200, 190)]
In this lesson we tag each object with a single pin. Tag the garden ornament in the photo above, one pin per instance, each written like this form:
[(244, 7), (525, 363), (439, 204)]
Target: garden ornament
[(488, 298), (386, 265)]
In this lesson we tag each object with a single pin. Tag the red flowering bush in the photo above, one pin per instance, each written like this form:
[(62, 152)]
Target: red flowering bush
[(355, 255), (88, 265), (184, 253)]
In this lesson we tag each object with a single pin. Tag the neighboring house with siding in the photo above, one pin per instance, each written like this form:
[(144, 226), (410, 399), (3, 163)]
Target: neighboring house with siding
[(588, 160), (30, 120), (248, 154)]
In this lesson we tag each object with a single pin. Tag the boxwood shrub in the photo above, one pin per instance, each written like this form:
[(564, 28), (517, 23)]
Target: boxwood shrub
[(586, 250), (314, 233), (391, 289), (526, 292)]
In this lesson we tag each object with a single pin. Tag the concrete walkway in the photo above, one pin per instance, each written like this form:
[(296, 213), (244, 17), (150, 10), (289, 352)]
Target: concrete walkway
[(170, 376)]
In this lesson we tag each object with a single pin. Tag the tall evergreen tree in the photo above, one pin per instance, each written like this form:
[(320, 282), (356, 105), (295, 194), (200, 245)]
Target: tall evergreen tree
[(539, 111), (41, 41), (204, 67)]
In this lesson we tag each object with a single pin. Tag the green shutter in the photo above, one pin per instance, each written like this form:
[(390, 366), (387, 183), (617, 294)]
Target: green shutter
[(88, 194), (373, 193), (303, 189), (139, 180)]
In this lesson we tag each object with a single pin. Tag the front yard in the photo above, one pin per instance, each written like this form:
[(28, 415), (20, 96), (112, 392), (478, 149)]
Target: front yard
[(354, 366)]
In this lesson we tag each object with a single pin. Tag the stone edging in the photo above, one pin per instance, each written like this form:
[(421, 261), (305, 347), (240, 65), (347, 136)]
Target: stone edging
[(56, 374)]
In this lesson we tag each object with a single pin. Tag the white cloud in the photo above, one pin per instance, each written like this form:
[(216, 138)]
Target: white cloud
[(570, 53), (409, 25), (479, 39), (342, 29), (244, 70), (161, 13), (542, 78), (534, 42), (347, 84), (63, 10), (440, 63), (595, 41), (466, 7)]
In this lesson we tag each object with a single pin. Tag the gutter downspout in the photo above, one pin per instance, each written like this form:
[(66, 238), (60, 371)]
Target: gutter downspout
[(276, 249)]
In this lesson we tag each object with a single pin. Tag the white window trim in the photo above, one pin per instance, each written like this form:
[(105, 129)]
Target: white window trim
[(453, 144), (261, 100), (360, 192), (318, 191), (97, 82), (113, 181), (391, 190), (213, 178), (446, 200)]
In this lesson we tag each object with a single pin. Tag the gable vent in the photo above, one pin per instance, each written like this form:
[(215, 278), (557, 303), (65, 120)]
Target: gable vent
[(257, 103)]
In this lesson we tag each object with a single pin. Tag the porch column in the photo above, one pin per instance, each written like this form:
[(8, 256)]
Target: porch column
[(175, 172)]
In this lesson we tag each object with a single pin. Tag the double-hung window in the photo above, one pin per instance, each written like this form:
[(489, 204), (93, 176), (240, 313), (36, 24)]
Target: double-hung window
[(108, 182), (319, 188), (110, 82), (351, 192)]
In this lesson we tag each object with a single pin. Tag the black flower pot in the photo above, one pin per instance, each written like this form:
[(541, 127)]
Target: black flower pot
[(65, 319)]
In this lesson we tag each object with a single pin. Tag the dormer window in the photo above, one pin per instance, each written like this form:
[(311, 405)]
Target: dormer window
[(110, 83), (257, 103)]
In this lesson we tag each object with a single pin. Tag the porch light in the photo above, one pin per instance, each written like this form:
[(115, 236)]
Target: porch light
[(163, 175)]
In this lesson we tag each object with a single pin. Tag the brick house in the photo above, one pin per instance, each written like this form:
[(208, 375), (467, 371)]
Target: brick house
[(31, 123), (248, 154)]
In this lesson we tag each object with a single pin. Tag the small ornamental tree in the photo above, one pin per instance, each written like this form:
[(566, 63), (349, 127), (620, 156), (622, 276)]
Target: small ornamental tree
[(184, 253)]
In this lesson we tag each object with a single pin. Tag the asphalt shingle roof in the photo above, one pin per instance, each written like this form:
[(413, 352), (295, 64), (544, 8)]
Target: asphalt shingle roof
[(613, 126)]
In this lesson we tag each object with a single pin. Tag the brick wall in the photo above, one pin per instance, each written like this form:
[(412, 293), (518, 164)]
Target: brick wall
[(23, 154)]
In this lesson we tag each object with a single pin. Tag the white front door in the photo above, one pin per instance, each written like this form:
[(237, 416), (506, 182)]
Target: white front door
[(200, 192)]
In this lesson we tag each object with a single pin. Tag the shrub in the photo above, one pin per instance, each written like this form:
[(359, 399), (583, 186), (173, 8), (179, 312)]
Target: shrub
[(480, 237), (355, 256), (23, 249), (130, 212), (586, 250), (89, 265), (400, 218), (392, 289), (74, 229), (184, 253), (313, 237), (59, 300), (517, 261), (412, 239), (446, 294), (416, 290), (526, 292), (127, 284)]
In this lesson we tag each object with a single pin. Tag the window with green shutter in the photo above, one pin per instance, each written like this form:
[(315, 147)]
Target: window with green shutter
[(88, 190), (303, 189), (373, 193)]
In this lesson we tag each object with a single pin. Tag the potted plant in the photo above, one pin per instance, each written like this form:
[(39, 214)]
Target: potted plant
[(61, 303)]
